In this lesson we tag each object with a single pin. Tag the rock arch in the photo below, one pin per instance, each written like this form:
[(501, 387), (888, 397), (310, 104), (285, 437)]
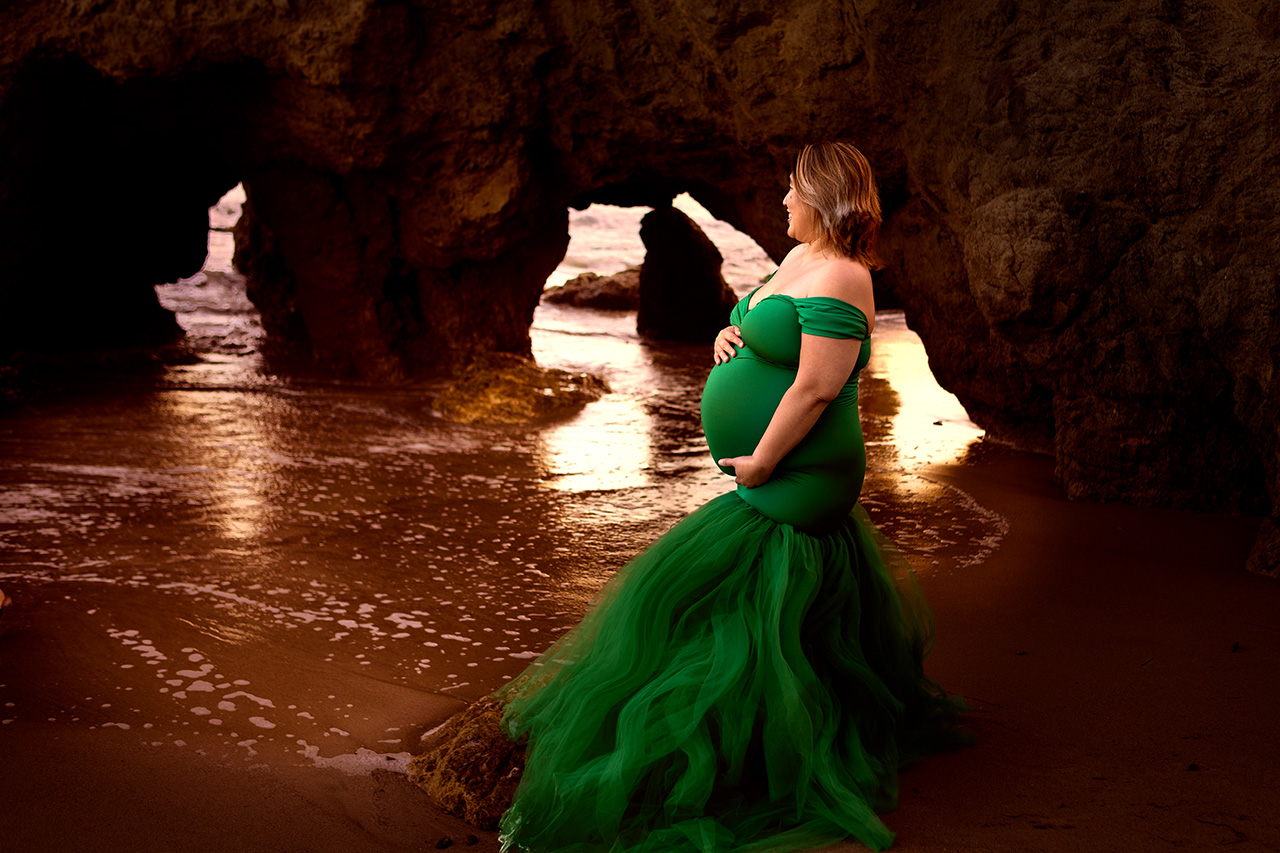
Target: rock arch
[(1081, 193)]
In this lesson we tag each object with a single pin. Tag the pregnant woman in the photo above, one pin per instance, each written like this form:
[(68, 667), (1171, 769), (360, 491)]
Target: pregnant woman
[(754, 680)]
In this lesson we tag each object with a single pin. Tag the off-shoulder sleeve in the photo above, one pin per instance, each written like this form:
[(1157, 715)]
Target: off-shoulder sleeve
[(831, 318)]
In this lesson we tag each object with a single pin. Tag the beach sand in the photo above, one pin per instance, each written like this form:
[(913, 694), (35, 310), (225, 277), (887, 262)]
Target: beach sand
[(1120, 663)]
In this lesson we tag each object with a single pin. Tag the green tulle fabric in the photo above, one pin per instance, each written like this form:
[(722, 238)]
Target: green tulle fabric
[(742, 685)]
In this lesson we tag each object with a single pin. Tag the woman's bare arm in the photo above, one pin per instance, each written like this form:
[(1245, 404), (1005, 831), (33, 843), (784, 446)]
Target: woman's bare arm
[(825, 366)]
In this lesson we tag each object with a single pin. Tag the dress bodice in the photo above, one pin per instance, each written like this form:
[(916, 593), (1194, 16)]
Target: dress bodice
[(818, 482), (771, 329)]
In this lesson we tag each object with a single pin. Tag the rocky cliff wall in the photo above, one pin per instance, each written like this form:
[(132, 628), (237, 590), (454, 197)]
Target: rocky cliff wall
[(1081, 194)]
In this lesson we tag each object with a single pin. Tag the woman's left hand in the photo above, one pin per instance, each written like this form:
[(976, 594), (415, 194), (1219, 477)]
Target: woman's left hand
[(727, 343), (747, 470)]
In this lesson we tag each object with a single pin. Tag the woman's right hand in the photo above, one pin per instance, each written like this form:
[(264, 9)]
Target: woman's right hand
[(724, 348)]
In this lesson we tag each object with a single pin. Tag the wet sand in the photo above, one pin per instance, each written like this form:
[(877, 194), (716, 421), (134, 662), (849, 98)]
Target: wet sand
[(1120, 663), (1121, 667)]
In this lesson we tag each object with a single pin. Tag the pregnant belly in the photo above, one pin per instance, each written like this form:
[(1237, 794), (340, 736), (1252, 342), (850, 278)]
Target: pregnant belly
[(737, 402), (818, 482)]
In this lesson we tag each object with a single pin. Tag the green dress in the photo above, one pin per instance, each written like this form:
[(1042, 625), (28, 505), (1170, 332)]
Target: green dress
[(753, 680)]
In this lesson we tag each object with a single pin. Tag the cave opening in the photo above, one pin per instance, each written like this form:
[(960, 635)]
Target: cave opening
[(604, 238), (106, 194), (212, 306)]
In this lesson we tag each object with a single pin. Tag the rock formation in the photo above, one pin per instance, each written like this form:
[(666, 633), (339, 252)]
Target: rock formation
[(469, 766), (505, 388), (1081, 193), (1084, 246), (683, 296), (617, 292)]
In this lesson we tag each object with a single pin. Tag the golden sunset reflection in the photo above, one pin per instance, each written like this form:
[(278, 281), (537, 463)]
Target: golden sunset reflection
[(928, 426), (605, 447), (228, 447)]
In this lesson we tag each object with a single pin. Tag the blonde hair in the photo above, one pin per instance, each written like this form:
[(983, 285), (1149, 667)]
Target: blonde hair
[(836, 181)]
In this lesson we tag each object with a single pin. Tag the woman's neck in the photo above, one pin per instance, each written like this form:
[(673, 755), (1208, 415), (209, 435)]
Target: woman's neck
[(819, 251)]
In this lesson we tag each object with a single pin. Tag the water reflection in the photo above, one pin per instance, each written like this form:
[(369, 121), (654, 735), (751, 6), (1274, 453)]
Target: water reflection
[(220, 438), (910, 423), (927, 424), (603, 448), (606, 446), (636, 457)]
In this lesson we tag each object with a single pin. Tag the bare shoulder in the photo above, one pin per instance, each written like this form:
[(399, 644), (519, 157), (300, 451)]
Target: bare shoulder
[(848, 281), (797, 251)]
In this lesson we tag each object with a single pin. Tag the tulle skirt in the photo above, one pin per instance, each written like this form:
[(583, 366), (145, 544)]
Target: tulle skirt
[(739, 686)]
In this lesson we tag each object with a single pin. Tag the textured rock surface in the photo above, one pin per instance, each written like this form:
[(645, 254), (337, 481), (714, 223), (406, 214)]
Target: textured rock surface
[(469, 767), (617, 292), (1081, 193), (506, 388), (1085, 210), (683, 296)]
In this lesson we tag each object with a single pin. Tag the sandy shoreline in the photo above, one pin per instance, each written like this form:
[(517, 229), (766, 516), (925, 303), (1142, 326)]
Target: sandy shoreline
[(1096, 647)]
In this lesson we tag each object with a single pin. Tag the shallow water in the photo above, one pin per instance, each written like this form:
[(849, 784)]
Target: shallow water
[(255, 566)]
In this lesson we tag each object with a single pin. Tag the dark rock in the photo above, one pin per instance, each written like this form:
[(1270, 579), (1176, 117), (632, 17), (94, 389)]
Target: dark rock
[(1265, 558), (617, 292), (470, 767), (505, 388), (10, 384), (270, 284), (683, 296), (1102, 292)]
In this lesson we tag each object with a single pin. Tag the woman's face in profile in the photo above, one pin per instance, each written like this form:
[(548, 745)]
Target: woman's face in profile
[(800, 216)]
